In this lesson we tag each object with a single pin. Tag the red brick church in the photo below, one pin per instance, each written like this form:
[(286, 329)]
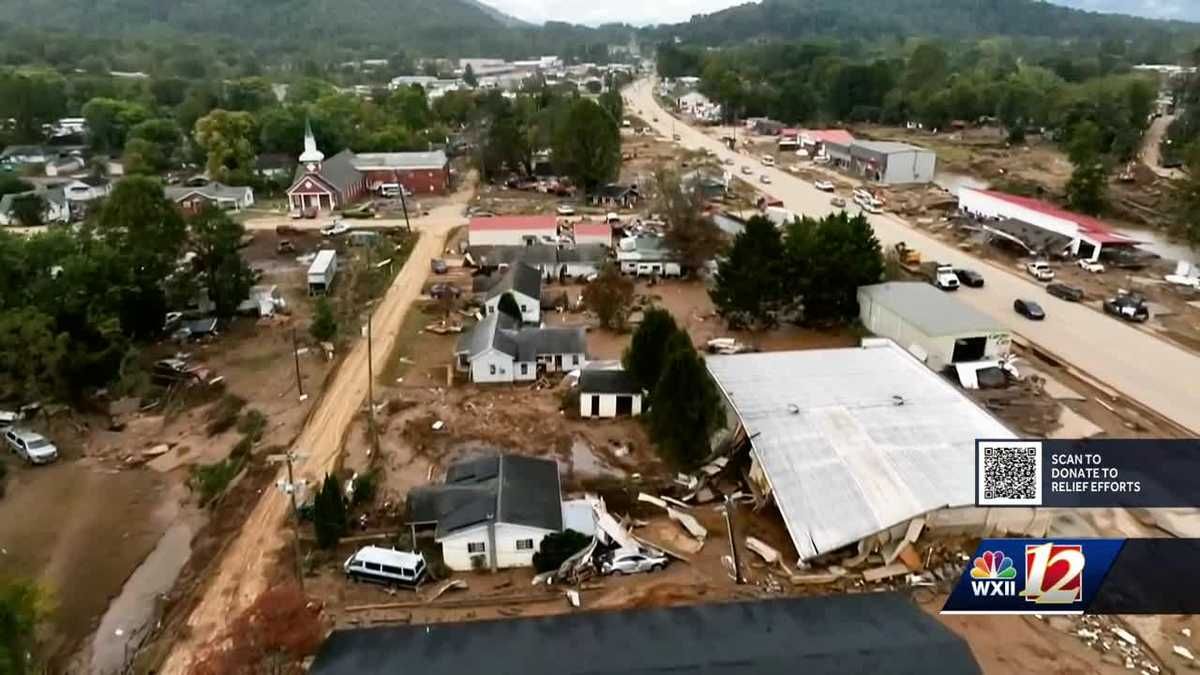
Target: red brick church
[(335, 183)]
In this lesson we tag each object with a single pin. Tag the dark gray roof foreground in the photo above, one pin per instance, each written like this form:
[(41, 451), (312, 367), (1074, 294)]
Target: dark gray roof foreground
[(507, 488), (521, 278), (595, 381), (533, 342), (869, 633)]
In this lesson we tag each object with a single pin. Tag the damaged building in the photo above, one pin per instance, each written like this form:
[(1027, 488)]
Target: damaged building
[(854, 444)]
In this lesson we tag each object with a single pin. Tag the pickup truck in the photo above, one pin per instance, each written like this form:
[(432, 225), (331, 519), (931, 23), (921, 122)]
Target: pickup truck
[(1040, 270), (941, 276)]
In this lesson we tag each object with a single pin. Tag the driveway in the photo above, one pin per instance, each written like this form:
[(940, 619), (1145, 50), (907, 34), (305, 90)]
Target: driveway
[(1138, 365)]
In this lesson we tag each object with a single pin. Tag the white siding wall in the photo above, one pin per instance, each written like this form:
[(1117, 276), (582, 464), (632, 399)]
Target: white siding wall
[(531, 310), (528, 375), (608, 404), (987, 205), (457, 556), (483, 365)]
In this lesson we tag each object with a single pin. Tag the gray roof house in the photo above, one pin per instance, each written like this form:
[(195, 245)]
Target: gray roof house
[(608, 393), (867, 633), (227, 197), (525, 284), (497, 501), (577, 261), (499, 350)]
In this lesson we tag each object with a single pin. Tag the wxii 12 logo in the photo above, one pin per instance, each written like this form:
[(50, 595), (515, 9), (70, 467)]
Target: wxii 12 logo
[(1053, 574)]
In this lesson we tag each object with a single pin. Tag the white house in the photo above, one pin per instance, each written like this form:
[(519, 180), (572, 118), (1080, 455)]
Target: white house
[(498, 350), (525, 284), (608, 393), (490, 512), (55, 207), (552, 261), (647, 255), (226, 197)]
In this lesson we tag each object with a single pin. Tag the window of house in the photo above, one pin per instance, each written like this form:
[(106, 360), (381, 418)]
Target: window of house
[(492, 369), (475, 547), (524, 544), (574, 359), (523, 309), (463, 360)]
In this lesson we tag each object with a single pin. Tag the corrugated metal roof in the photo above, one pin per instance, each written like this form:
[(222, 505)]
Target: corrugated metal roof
[(886, 147), (935, 312), (365, 161), (854, 441)]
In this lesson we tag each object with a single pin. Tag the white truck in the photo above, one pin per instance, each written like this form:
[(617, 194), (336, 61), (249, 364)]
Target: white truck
[(322, 271), (940, 275), (1040, 270)]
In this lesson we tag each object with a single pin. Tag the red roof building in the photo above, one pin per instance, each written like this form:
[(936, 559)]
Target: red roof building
[(1087, 235), (513, 230), (812, 137)]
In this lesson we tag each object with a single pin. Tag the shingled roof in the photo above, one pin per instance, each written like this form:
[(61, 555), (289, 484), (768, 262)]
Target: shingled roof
[(504, 488)]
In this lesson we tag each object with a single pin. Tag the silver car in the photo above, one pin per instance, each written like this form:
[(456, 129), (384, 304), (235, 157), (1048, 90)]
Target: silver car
[(632, 562), (31, 447)]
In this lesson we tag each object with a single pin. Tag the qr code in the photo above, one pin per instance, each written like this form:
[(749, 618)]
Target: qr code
[(1010, 473)]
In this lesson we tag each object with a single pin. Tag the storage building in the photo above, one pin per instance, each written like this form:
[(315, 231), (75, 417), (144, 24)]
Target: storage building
[(513, 230), (608, 393), (892, 163), (930, 324), (322, 271)]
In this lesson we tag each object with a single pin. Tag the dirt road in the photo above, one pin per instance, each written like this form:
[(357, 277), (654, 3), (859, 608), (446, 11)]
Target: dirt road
[(242, 572), (1153, 372), (1150, 147)]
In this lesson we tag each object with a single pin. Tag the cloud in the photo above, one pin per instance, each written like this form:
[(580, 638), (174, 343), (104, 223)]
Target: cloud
[(638, 12)]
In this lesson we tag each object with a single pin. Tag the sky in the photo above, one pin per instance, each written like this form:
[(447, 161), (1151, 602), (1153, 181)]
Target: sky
[(642, 12), (637, 12)]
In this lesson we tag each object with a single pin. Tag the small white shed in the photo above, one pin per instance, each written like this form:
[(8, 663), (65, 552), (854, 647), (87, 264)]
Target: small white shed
[(608, 393)]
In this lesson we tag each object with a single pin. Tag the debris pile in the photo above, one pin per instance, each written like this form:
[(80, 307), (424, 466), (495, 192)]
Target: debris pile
[(1117, 645)]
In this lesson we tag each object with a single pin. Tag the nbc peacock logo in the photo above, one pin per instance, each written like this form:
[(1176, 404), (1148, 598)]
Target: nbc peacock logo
[(993, 574)]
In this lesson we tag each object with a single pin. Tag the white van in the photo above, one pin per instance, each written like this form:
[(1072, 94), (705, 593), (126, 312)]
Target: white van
[(768, 160), (390, 190), (386, 566)]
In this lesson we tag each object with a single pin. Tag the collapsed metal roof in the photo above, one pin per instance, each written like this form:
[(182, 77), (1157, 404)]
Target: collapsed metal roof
[(854, 441)]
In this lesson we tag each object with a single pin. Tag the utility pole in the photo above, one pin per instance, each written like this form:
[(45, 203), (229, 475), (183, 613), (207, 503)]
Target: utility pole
[(404, 207), (290, 488), (296, 356), (371, 364), (729, 525)]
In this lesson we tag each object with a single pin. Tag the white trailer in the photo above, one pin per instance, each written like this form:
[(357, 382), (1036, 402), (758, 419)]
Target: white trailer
[(322, 272)]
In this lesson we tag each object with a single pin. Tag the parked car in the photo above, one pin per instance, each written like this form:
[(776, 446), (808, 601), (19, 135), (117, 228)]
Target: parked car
[(871, 207), (823, 186), (838, 202), (1040, 270), (764, 179), (728, 161), (969, 278), (1029, 309), (633, 562), (1091, 266), (767, 160), (565, 210), (387, 566), (746, 171), (439, 291), (285, 246), (438, 266), (30, 446), (167, 372), (1065, 291), (335, 229)]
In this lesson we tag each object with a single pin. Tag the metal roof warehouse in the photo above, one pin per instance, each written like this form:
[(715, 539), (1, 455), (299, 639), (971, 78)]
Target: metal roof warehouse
[(854, 442)]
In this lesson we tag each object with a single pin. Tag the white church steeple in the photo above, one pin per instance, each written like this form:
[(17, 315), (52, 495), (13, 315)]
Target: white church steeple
[(311, 158)]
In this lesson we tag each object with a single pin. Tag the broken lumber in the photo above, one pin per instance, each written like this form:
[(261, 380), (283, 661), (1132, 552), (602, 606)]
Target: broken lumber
[(765, 551), (886, 572), (664, 549), (453, 583), (689, 523)]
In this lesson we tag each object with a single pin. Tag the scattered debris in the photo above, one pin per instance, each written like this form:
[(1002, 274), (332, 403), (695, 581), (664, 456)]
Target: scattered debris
[(1124, 635), (457, 584), (572, 597), (1183, 652), (886, 572), (438, 425), (765, 551)]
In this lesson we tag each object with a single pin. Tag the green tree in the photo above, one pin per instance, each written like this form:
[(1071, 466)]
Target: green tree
[(141, 157), (162, 132), (329, 513), (324, 326), (10, 184), (109, 121), (610, 296), (1089, 179), (556, 547), (469, 77), (32, 355), (685, 407), (227, 139), (250, 94), (22, 608), (1185, 199), (31, 99), (751, 281), (647, 351), (216, 239), (587, 145), (508, 306), (29, 209), (829, 259)]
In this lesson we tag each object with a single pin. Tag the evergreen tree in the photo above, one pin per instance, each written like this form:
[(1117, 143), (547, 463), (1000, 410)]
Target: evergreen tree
[(685, 407), (329, 513), (750, 286), (324, 326), (647, 351)]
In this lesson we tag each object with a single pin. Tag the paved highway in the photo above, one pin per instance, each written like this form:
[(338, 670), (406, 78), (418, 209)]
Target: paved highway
[(1142, 367)]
